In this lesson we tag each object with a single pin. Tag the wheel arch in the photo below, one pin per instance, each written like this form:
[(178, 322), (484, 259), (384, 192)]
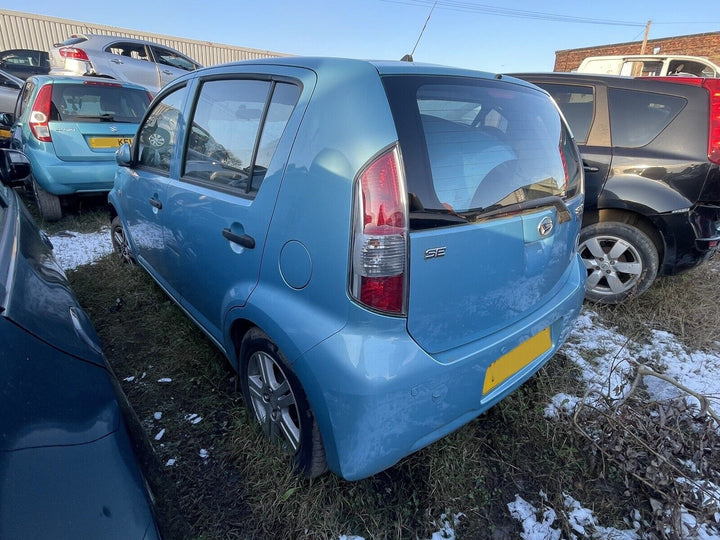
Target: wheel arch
[(632, 218)]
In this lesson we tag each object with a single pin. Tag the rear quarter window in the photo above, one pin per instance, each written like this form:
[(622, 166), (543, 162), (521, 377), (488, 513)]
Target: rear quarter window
[(637, 117), (98, 103), (471, 144)]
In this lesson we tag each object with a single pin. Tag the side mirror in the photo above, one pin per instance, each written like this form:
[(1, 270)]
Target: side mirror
[(6, 119), (14, 167), (123, 156)]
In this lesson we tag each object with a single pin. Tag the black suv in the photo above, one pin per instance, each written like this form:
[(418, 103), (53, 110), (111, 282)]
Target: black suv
[(651, 153)]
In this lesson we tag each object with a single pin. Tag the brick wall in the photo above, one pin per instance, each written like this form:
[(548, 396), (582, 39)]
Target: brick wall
[(707, 45)]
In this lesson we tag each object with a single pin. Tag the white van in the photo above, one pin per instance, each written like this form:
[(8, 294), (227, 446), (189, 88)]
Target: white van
[(650, 65)]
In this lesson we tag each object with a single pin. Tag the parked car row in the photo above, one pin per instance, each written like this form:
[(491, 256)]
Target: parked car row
[(382, 250)]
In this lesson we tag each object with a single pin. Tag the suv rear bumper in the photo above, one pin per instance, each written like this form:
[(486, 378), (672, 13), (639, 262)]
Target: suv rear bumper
[(378, 397), (691, 237)]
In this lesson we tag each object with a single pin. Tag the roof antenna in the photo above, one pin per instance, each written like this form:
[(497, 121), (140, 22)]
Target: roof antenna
[(409, 57)]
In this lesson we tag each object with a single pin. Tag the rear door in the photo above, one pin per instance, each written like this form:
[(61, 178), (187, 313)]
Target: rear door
[(129, 61), (491, 170), (90, 121), (585, 107), (218, 212)]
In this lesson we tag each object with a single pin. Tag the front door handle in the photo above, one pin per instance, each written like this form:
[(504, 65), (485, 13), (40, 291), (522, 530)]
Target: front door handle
[(154, 202), (167, 72), (244, 240)]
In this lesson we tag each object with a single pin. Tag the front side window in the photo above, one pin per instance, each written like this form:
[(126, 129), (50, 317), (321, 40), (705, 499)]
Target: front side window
[(235, 129), (158, 135), (577, 104), (637, 117), (478, 146)]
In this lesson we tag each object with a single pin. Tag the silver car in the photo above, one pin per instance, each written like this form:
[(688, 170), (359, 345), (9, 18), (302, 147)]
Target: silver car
[(134, 60), (9, 89)]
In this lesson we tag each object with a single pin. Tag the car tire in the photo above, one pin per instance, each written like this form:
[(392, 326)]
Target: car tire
[(273, 394), (621, 261), (119, 241), (47, 203)]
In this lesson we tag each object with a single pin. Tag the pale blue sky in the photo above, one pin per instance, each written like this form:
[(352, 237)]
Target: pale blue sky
[(459, 33)]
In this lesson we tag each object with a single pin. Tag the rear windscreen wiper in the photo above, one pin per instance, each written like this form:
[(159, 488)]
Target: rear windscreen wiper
[(515, 208)]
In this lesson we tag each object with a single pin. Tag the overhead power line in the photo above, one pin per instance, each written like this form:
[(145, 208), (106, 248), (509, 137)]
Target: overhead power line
[(454, 5)]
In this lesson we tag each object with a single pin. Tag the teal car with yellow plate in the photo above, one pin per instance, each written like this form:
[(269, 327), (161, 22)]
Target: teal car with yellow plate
[(382, 250), (70, 128)]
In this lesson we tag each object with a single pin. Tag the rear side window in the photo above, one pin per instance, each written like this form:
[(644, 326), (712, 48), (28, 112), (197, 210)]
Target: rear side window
[(236, 127), (129, 49), (637, 117), (98, 102), (470, 145), (577, 104)]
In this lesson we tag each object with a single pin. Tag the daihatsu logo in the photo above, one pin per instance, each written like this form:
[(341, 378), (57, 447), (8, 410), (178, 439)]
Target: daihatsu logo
[(545, 226)]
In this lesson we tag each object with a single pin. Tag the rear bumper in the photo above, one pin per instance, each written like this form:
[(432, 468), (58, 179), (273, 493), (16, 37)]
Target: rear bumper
[(691, 237), (377, 396), (68, 177)]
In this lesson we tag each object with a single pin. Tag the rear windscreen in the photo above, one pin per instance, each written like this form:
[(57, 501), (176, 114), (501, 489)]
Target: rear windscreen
[(469, 145), (98, 102)]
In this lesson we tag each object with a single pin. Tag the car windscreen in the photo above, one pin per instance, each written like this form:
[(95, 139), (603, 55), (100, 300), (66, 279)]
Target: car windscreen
[(98, 102), (474, 146)]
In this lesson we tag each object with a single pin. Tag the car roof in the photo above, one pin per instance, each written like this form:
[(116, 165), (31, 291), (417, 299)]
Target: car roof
[(80, 79), (328, 65), (93, 39), (661, 84)]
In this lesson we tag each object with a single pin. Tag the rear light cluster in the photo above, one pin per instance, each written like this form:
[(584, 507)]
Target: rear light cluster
[(380, 236), (713, 87), (40, 114), (73, 53)]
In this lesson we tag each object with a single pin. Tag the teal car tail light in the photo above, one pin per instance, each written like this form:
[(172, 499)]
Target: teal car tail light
[(40, 115), (380, 236)]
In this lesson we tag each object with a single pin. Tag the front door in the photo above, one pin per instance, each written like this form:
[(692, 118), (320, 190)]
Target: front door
[(141, 190)]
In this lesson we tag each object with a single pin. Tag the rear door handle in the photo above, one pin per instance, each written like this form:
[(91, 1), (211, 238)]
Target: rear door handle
[(154, 202), (588, 168), (244, 240), (116, 61)]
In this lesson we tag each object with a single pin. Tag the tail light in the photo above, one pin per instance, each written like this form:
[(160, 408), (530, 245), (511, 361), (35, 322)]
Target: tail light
[(40, 114), (380, 236), (73, 53), (713, 87)]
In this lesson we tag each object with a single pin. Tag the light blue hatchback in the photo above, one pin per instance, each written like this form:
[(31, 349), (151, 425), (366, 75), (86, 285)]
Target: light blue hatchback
[(382, 250), (70, 128)]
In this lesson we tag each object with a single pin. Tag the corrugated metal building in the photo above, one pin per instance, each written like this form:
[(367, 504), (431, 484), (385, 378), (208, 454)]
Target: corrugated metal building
[(28, 31)]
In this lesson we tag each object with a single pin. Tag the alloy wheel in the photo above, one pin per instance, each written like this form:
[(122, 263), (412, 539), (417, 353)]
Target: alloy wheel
[(273, 401)]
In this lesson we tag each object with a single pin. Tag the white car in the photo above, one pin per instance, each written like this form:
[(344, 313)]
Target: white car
[(650, 65), (9, 89), (134, 60)]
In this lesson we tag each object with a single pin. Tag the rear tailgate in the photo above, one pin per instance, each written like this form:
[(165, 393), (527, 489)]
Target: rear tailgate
[(491, 170), (90, 120)]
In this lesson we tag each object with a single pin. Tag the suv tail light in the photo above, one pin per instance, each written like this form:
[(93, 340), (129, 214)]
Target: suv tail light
[(40, 114), (380, 236), (713, 87), (74, 53)]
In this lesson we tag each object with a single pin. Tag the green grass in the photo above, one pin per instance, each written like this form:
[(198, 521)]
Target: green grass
[(246, 489)]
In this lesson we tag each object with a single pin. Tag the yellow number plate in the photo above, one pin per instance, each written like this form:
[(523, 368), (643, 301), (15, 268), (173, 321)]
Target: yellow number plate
[(108, 142), (516, 359), (4, 133)]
